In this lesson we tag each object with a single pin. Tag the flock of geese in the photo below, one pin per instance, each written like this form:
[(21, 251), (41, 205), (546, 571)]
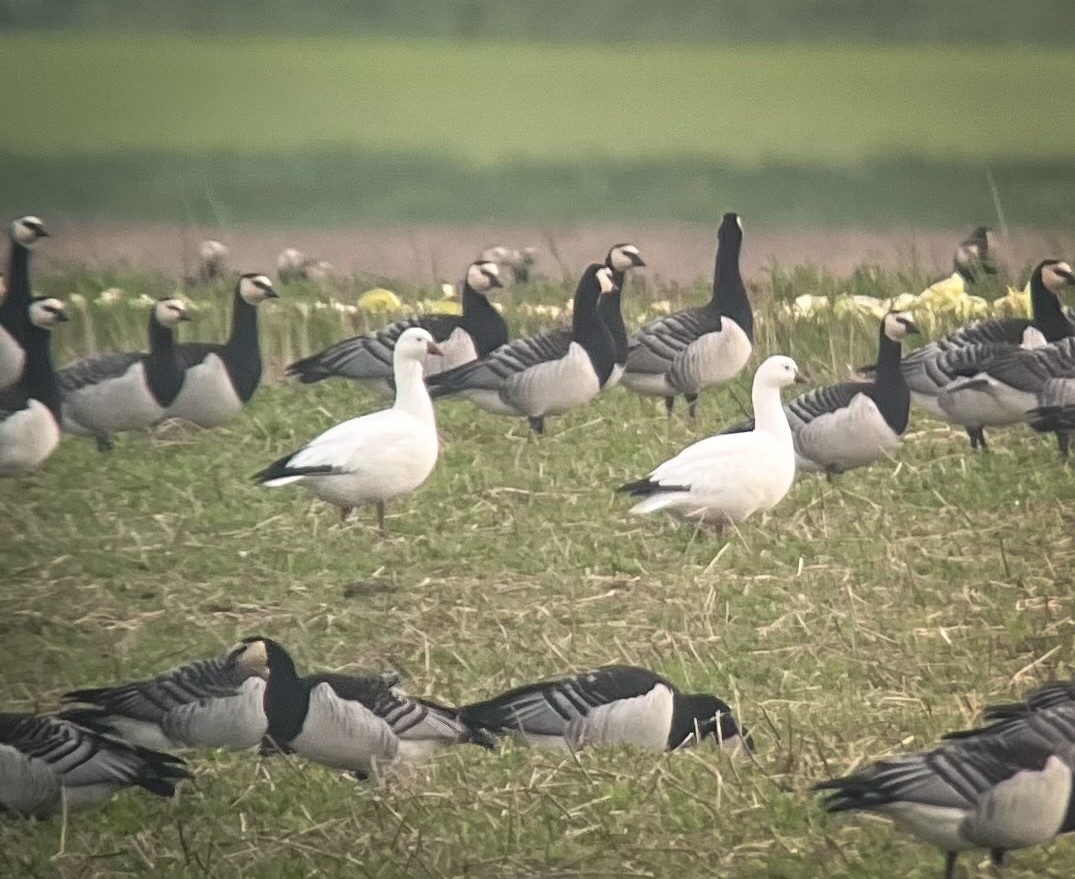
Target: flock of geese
[(1006, 786)]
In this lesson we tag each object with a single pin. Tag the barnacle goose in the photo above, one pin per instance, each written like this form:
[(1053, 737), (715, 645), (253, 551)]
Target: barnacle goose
[(686, 352), (360, 724), (621, 258), (519, 261), (106, 393), (931, 369), (14, 305), (547, 374), (213, 261), (852, 424), (612, 705), (998, 792), (376, 457), (30, 409), (368, 358), (976, 255), (726, 478), (48, 765), (218, 379)]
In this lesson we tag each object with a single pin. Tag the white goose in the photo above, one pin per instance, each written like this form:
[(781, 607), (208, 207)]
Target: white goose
[(725, 479), (106, 393), (30, 409), (694, 349), (613, 705), (376, 457), (48, 765), (14, 305), (219, 379)]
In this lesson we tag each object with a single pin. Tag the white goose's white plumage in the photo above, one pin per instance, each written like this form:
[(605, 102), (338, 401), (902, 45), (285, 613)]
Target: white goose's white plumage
[(15, 302), (48, 764), (30, 409), (376, 457), (727, 478), (107, 393)]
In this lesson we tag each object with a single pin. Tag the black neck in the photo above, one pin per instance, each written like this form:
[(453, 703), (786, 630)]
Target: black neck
[(889, 391), (1048, 316), (39, 378), (691, 712), (287, 698), (242, 353), (163, 373), (588, 329), (14, 308), (609, 307), (729, 292), (482, 322)]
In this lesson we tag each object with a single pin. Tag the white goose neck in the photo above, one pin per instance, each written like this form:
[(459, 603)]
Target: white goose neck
[(769, 415), (412, 396)]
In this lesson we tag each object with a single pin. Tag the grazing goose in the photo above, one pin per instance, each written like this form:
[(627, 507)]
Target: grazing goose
[(613, 705), (106, 393), (368, 358), (688, 351), (621, 259), (377, 457), (543, 375), (853, 424), (14, 305), (353, 723), (219, 379), (991, 793), (208, 703), (30, 409), (48, 765), (726, 478), (931, 369)]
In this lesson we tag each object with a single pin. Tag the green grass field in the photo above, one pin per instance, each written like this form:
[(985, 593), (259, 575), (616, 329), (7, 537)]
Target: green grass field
[(861, 618), (259, 129)]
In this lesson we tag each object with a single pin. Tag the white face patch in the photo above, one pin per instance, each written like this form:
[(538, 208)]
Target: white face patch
[(478, 275), (620, 257), (27, 231), (604, 278), (1053, 279), (255, 288), (169, 312), (895, 328), (739, 221), (47, 313)]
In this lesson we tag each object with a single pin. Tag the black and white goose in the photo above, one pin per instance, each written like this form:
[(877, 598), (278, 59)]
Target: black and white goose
[(852, 424), (14, 305), (547, 374), (688, 351), (976, 255), (996, 792), (621, 259), (461, 339), (30, 409), (48, 765), (937, 373), (219, 379), (359, 724), (208, 703), (107, 393), (612, 705)]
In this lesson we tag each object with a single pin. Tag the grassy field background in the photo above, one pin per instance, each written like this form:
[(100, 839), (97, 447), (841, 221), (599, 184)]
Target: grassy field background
[(860, 618), (262, 129)]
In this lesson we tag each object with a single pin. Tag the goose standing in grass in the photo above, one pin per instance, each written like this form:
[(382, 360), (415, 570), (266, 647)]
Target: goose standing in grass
[(48, 765), (359, 724), (939, 369), (219, 379), (107, 393), (368, 358), (613, 705), (976, 255), (213, 260), (30, 409), (377, 457), (15, 303), (621, 259), (997, 792), (853, 424), (687, 352), (547, 374), (725, 479)]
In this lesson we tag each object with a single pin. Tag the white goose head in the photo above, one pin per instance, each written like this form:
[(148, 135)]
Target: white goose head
[(170, 312), (255, 288), (213, 251), (46, 313), (1055, 276), (483, 276), (778, 371), (28, 230), (415, 344), (252, 655), (898, 325), (623, 257)]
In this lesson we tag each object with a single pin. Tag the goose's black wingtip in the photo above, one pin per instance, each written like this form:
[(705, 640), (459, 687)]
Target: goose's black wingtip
[(307, 371), (94, 719), (279, 469), (1050, 419), (647, 487)]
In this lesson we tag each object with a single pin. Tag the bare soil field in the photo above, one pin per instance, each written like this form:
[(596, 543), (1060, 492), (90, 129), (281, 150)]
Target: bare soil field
[(418, 252)]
